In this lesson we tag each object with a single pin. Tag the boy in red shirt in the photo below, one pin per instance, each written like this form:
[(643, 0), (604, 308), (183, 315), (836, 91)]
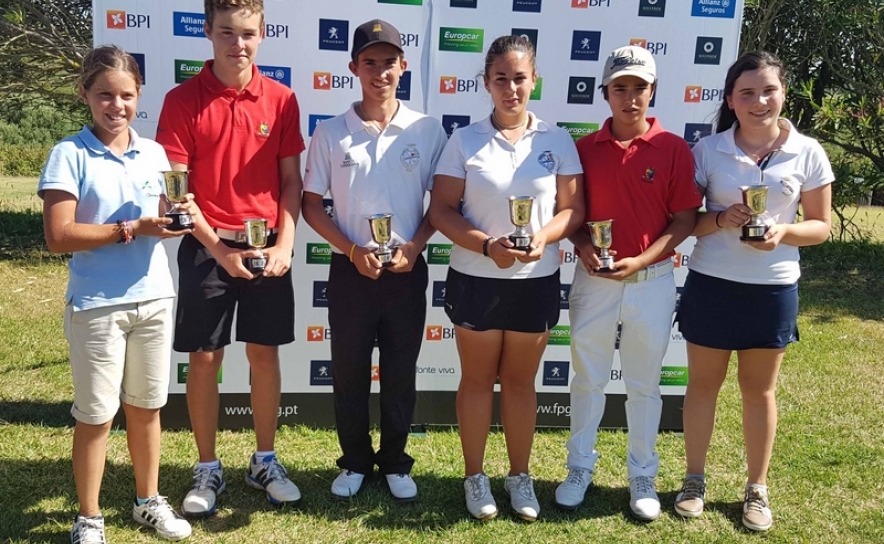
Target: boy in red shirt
[(238, 134)]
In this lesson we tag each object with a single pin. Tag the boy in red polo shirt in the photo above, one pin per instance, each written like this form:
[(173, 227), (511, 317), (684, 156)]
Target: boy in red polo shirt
[(238, 134), (642, 177)]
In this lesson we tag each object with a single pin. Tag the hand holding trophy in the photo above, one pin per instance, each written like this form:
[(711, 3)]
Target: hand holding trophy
[(256, 237), (600, 232), (381, 234), (520, 216), (755, 198), (176, 188)]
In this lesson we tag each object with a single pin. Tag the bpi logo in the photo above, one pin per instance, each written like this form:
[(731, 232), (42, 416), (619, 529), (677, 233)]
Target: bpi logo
[(453, 122), (585, 45), (652, 8), (375, 373), (696, 94), (656, 48), (120, 20), (567, 257), (409, 40), (583, 4), (437, 333), (403, 91), (708, 50), (333, 34), (314, 120), (714, 8), (564, 295), (556, 373), (580, 90), (280, 74), (318, 333), (529, 34), (454, 85), (325, 81), (319, 294), (439, 294), (530, 6), (321, 373), (681, 260), (276, 31), (693, 132)]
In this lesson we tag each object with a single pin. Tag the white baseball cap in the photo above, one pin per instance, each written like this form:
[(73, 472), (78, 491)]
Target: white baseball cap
[(630, 61)]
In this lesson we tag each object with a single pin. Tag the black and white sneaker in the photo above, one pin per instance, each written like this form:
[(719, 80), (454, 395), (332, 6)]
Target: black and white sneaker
[(88, 530), (271, 477), (158, 514), (202, 499)]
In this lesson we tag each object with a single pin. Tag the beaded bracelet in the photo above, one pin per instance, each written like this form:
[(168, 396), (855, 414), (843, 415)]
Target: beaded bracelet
[(485, 246), (126, 232)]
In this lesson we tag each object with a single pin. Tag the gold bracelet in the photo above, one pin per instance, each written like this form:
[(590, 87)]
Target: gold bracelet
[(352, 249)]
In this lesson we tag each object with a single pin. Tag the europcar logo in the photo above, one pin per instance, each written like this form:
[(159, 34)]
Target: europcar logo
[(538, 89), (560, 335), (652, 8), (439, 294), (530, 6), (437, 333), (578, 130), (320, 300), (326, 81), (674, 375), (438, 253), (280, 74), (403, 91), (656, 48), (183, 369), (334, 34), (120, 20), (315, 119), (188, 24), (694, 132), (453, 122), (556, 373), (708, 50), (318, 253), (529, 34), (318, 333), (714, 8), (321, 373), (564, 295), (581, 90), (462, 40), (186, 69), (697, 94), (454, 85), (585, 44)]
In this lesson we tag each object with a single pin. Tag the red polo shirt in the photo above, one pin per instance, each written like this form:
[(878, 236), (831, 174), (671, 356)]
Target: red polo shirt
[(231, 142), (639, 187)]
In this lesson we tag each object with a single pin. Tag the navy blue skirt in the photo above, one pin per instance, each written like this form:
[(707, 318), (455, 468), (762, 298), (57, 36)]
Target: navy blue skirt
[(521, 305), (724, 314)]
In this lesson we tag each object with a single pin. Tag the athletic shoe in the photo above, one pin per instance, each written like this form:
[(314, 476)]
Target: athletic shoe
[(157, 513), (402, 487), (690, 500), (643, 499), (480, 502), (271, 477), (201, 500), (347, 484), (570, 493), (522, 498), (756, 509), (88, 530)]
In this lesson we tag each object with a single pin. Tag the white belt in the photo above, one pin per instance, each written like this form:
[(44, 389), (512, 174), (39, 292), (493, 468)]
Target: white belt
[(654, 271), (238, 236)]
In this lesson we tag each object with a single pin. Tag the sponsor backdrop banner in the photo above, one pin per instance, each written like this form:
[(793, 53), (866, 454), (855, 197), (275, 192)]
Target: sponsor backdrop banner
[(307, 48)]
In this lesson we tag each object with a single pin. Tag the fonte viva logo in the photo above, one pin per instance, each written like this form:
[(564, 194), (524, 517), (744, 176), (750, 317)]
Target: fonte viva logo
[(438, 253), (463, 40), (578, 130), (560, 335), (319, 253)]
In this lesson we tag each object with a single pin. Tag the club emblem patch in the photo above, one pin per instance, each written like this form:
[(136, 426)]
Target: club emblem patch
[(410, 157), (547, 160)]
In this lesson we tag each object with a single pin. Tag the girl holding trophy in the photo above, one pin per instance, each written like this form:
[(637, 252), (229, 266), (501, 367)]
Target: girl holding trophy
[(741, 293), (502, 291), (102, 190)]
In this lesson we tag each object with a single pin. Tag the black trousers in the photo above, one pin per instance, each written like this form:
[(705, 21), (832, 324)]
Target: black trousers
[(391, 310)]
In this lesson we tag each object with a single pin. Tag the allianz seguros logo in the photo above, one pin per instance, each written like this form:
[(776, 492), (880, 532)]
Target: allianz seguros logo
[(462, 40), (713, 8), (708, 50), (314, 119), (578, 130), (280, 74)]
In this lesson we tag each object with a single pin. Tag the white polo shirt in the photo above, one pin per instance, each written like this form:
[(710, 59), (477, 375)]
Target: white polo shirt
[(367, 172), (800, 165), (493, 170)]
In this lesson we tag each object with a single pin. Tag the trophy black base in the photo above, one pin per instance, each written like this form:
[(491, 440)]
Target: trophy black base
[(605, 270), (753, 233), (521, 243), (256, 265), (386, 259), (180, 221)]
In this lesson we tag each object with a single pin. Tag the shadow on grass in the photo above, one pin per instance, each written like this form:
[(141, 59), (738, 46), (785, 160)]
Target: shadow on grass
[(22, 240), (843, 278), (45, 414)]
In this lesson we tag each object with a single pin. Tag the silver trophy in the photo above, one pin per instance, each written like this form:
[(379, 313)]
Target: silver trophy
[(381, 233), (520, 215), (176, 188), (256, 237), (600, 232), (755, 197)]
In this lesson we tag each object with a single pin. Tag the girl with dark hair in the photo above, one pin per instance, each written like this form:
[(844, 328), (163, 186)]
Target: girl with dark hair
[(503, 301), (742, 295)]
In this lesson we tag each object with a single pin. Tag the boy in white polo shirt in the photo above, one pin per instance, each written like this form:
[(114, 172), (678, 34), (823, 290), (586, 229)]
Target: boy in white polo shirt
[(376, 158)]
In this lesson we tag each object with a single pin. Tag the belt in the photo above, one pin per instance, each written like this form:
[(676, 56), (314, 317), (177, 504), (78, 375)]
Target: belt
[(238, 236), (657, 270)]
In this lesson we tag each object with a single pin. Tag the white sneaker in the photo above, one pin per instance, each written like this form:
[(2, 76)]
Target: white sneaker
[(347, 484), (271, 477), (480, 502), (157, 513), (402, 487), (522, 498), (570, 493), (201, 500), (756, 509), (690, 500), (643, 498), (88, 531)]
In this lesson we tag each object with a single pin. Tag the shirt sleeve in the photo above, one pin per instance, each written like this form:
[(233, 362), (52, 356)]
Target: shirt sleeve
[(317, 173), (683, 194), (570, 160), (451, 161), (175, 130), (61, 171), (819, 168), (699, 153), (440, 138), (292, 142)]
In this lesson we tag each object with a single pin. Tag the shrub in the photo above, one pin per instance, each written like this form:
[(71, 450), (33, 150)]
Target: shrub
[(22, 159)]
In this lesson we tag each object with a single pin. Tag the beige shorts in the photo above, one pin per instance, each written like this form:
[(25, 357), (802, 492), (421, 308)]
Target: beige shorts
[(119, 353)]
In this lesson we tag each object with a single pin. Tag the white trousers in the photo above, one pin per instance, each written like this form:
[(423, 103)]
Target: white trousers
[(644, 310)]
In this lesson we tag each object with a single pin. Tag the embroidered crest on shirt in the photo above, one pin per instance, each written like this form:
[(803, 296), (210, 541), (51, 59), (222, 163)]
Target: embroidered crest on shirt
[(150, 190), (348, 161), (648, 175), (264, 129), (547, 160), (410, 157)]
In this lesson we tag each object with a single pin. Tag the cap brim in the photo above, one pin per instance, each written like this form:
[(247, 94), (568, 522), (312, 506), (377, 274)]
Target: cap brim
[(630, 72), (356, 52)]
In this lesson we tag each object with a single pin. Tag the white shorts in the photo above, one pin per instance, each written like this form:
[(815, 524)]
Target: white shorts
[(119, 353)]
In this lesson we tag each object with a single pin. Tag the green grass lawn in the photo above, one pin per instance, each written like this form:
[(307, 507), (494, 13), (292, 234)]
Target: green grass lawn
[(826, 483)]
